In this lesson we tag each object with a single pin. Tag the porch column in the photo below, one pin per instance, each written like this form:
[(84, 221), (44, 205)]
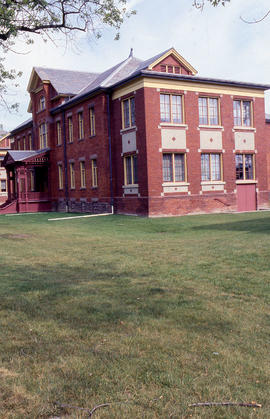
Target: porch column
[(8, 184)]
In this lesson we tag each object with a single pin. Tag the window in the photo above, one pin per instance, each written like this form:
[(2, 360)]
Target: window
[(171, 109), (31, 180), (43, 142), (72, 175), (244, 165), (130, 169), (58, 133), (208, 111), (70, 129), (170, 69), (24, 143), (60, 176), (174, 167), (210, 167), (81, 127), (18, 144), (128, 113), (242, 113), (82, 171), (30, 141), (42, 103), (92, 122), (3, 185), (94, 173)]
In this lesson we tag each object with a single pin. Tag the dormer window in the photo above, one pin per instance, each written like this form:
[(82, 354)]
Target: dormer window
[(173, 69), (42, 104)]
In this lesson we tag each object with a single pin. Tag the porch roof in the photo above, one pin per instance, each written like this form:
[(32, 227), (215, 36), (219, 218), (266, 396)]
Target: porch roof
[(16, 156)]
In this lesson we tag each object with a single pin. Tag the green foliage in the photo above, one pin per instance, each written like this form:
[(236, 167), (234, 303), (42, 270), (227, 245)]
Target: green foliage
[(23, 18), (199, 4)]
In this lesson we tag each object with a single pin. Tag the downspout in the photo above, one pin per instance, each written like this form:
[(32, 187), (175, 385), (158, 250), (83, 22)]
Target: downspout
[(110, 151), (65, 160)]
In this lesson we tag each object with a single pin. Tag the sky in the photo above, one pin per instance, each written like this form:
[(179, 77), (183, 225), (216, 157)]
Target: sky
[(215, 41)]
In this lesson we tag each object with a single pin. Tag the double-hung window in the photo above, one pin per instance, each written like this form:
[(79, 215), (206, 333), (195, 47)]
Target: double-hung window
[(72, 175), (42, 103), (43, 142), (92, 121), (32, 180), (242, 113), (245, 166), (174, 167), (81, 125), (208, 111), (131, 169), (211, 165), (82, 172), (58, 133), (30, 141), (94, 173), (60, 176), (128, 113), (70, 129), (171, 108)]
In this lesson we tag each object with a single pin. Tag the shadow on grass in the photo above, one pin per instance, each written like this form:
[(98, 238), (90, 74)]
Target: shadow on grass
[(248, 226), (88, 299)]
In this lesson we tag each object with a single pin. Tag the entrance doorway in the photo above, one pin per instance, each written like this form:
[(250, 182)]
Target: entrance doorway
[(246, 197)]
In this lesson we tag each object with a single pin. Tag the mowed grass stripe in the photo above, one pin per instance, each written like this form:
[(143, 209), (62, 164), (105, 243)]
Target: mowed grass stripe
[(149, 315)]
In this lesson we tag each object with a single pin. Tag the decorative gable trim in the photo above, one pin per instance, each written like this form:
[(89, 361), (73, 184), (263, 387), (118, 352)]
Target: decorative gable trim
[(178, 57)]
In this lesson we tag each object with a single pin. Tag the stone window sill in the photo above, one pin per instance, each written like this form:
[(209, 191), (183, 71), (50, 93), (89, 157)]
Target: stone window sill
[(175, 184), (240, 182), (212, 182), (243, 128), (172, 124), (211, 126)]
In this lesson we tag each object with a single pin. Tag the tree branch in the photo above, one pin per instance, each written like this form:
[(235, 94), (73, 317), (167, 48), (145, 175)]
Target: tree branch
[(250, 22)]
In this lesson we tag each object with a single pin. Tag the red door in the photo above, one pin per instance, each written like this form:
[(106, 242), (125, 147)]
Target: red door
[(246, 197)]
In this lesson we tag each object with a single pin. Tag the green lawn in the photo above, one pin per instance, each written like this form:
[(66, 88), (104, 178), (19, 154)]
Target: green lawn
[(149, 315)]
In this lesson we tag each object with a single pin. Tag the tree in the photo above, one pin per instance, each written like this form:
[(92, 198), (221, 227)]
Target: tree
[(23, 18), (199, 4)]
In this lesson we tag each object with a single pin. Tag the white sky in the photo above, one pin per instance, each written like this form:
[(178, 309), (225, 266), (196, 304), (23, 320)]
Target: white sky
[(216, 42)]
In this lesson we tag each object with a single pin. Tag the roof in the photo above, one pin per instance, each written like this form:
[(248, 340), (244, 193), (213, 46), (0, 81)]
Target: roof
[(64, 81), (24, 124), (21, 155), (209, 80), (117, 73), (133, 67)]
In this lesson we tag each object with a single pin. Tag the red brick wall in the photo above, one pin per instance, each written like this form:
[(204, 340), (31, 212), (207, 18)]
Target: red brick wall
[(150, 200), (19, 138), (182, 203), (130, 204), (87, 148)]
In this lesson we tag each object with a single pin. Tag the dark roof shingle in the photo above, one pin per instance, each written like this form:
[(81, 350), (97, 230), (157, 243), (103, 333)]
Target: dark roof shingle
[(66, 81)]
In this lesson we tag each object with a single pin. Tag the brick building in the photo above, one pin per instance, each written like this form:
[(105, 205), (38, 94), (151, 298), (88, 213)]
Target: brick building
[(4, 147), (146, 137)]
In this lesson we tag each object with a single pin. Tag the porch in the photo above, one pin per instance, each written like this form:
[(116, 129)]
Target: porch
[(27, 181)]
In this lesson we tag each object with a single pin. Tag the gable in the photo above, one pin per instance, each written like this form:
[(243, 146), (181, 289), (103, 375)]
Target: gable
[(171, 65), (34, 82), (172, 62)]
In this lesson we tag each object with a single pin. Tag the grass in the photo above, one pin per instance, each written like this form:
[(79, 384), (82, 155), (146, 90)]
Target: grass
[(149, 315)]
